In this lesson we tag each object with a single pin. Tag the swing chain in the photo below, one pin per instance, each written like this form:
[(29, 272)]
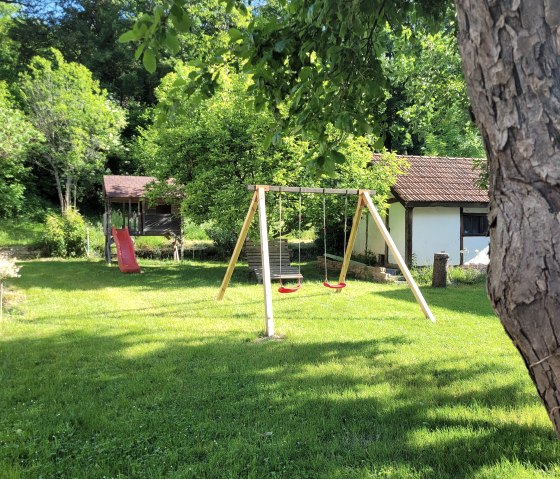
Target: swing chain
[(345, 221), (325, 238), (280, 220), (299, 240)]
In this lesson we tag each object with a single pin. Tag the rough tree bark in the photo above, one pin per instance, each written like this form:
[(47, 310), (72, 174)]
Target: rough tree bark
[(511, 56)]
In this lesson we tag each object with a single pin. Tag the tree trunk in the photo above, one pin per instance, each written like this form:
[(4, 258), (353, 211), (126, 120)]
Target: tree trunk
[(439, 273), (511, 58), (59, 190), (68, 193)]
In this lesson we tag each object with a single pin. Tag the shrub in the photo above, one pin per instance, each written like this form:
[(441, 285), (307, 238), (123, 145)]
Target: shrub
[(65, 235), (466, 275), (74, 233), (8, 269), (224, 239), (54, 235), (455, 275)]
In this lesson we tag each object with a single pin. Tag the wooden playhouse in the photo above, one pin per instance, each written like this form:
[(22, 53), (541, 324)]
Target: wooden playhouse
[(126, 204)]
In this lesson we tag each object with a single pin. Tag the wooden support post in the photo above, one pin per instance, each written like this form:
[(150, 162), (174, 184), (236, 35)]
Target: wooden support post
[(391, 244), (238, 245), (267, 286), (351, 240), (107, 226)]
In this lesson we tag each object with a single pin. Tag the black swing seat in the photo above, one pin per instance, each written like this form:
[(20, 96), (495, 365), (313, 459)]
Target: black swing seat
[(286, 271)]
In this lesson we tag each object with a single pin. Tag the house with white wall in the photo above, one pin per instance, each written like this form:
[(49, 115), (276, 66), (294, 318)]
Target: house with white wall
[(436, 206)]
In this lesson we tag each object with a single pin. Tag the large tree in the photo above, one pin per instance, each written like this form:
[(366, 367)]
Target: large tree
[(78, 121), (327, 57), (17, 135), (511, 56), (215, 146)]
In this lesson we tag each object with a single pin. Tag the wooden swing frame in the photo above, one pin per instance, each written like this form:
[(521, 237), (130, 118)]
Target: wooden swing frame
[(364, 200)]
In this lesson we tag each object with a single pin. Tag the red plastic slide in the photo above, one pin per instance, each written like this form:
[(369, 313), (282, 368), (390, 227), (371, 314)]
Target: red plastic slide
[(125, 251)]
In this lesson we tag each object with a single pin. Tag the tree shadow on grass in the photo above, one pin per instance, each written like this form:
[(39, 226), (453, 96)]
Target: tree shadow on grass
[(84, 405)]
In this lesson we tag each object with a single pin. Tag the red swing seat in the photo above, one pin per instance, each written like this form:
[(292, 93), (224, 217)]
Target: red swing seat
[(326, 284), (285, 290)]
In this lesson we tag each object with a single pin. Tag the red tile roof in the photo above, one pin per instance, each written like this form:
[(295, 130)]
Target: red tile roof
[(115, 186), (438, 179)]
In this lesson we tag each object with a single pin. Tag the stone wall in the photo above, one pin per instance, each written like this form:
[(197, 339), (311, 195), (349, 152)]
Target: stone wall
[(358, 270)]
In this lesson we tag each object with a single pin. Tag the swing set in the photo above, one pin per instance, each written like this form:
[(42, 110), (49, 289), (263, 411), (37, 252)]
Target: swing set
[(258, 203)]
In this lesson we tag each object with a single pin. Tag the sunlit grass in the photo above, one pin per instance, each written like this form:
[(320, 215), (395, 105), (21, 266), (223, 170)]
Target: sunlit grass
[(112, 375), (20, 233)]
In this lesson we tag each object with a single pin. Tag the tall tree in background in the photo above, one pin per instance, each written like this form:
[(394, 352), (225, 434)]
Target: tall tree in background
[(431, 114), (17, 135), (76, 118), (8, 47), (327, 56), (215, 146)]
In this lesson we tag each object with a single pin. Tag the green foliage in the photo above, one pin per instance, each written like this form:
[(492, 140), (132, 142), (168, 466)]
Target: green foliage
[(455, 275), (314, 64), (79, 122), (16, 136), (65, 235), (215, 147), (433, 117), (54, 235), (74, 233), (466, 275), (8, 47)]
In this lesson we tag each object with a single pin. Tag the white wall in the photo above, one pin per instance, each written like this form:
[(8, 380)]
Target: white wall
[(435, 229), (396, 228), (375, 242)]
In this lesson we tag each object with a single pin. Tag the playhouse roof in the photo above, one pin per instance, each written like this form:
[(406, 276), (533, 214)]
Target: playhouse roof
[(438, 181), (133, 187)]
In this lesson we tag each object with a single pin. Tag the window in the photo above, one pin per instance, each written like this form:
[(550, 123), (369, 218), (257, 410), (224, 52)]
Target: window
[(475, 224), (163, 209)]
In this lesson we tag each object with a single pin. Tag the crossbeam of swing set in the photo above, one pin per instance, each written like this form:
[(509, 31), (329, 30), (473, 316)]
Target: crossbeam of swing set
[(297, 189), (364, 201)]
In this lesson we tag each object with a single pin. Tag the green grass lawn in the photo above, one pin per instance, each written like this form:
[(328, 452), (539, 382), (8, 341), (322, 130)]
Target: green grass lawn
[(146, 376), (20, 233)]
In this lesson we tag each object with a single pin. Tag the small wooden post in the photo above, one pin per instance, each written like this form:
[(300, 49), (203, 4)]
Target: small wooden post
[(239, 245), (267, 286), (402, 265), (439, 274), (351, 240)]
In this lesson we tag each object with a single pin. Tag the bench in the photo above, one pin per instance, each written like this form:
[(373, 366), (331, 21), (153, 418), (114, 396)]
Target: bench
[(284, 271)]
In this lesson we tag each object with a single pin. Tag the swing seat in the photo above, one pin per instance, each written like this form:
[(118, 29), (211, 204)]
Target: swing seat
[(326, 284), (284, 290)]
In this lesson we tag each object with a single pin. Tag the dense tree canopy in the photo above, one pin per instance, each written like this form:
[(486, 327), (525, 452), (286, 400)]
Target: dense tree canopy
[(304, 61), (216, 146), (17, 136), (77, 120), (87, 32)]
